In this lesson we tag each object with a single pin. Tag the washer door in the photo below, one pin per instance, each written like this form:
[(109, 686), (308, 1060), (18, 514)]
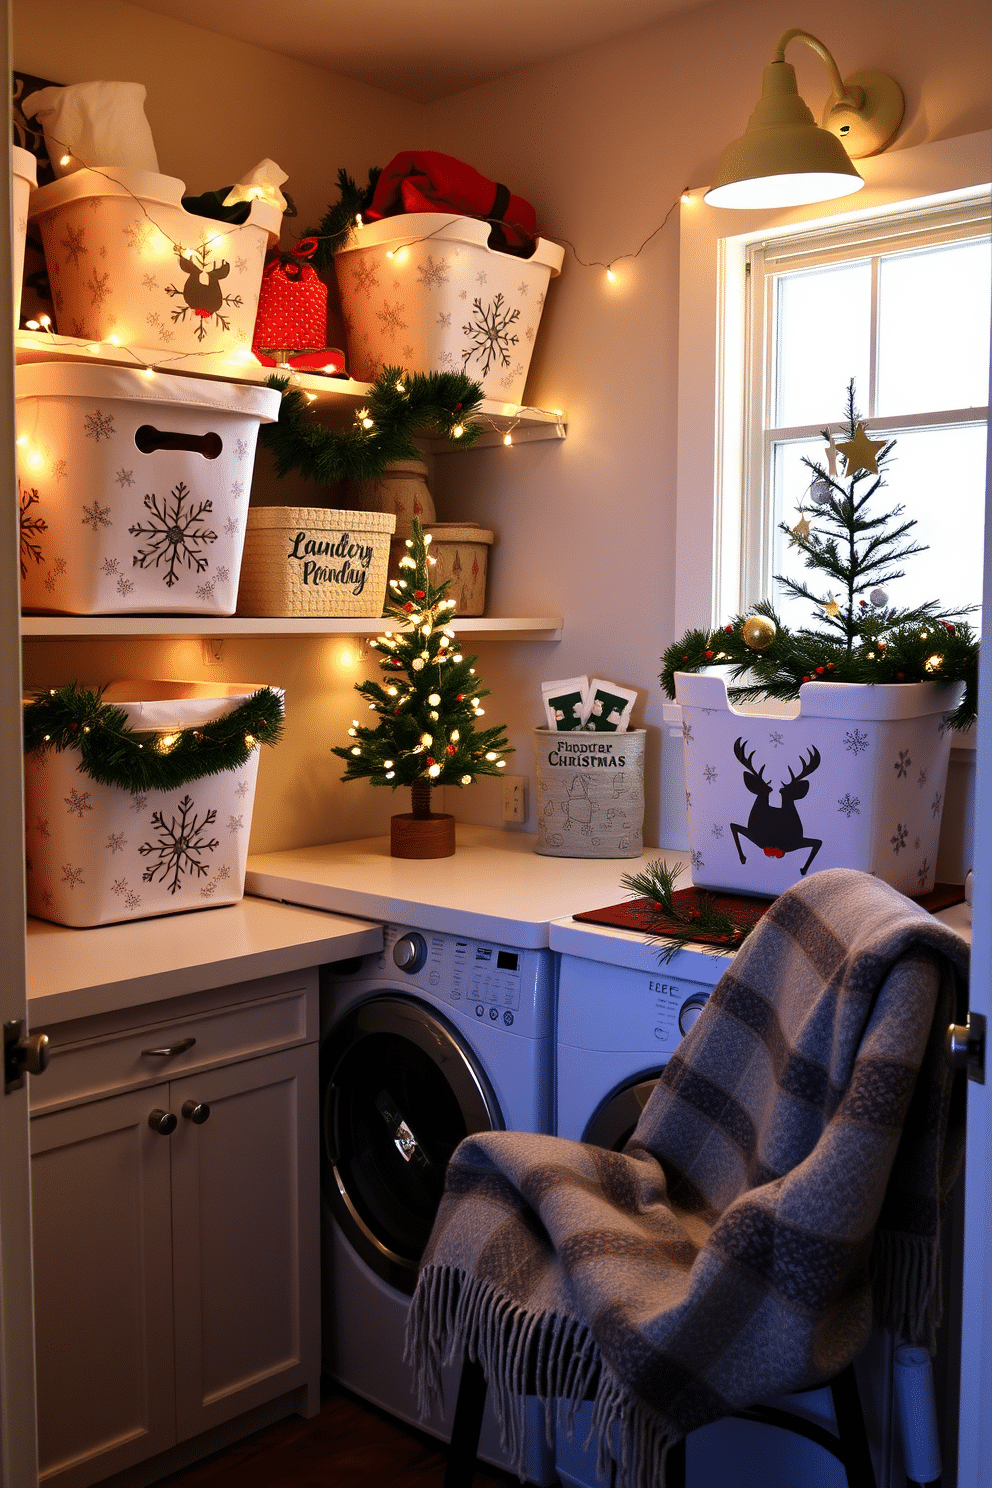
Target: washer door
[(399, 1092), (612, 1123)]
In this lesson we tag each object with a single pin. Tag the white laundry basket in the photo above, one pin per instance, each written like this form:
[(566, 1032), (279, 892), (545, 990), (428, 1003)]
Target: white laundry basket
[(97, 853), (133, 491), (126, 259), (443, 300)]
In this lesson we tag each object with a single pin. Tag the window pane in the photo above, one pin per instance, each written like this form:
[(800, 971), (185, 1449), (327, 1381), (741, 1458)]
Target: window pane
[(938, 476), (823, 329), (933, 341)]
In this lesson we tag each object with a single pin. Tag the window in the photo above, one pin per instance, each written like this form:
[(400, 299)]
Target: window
[(902, 307)]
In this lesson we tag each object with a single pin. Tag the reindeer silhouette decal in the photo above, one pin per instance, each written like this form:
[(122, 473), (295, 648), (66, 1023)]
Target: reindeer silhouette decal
[(202, 292), (777, 830)]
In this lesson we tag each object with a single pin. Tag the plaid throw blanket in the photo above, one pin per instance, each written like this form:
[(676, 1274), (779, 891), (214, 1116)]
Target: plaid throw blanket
[(786, 1180)]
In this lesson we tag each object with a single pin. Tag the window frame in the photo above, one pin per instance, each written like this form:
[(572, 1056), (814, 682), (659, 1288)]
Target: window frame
[(712, 399)]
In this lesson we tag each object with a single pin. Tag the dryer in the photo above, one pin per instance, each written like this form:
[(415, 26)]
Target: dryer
[(433, 1038)]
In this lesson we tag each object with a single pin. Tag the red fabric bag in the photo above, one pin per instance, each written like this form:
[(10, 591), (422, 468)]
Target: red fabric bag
[(292, 303), (426, 181)]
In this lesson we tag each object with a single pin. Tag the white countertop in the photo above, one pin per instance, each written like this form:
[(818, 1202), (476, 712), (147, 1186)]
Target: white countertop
[(494, 887), (77, 973)]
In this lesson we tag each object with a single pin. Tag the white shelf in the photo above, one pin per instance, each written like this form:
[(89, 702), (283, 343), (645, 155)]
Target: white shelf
[(86, 627), (332, 394)]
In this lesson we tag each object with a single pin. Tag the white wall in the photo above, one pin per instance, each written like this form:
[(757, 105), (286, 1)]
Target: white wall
[(602, 142)]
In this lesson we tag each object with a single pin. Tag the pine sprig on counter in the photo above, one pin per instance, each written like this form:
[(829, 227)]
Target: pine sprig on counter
[(400, 404), (139, 760), (678, 927)]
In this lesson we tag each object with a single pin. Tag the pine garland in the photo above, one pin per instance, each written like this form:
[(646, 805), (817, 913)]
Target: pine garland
[(433, 403), (859, 640), (677, 927), (140, 760), (334, 228), (428, 700)]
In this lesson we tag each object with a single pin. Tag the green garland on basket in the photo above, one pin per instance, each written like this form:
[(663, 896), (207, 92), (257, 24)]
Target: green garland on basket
[(112, 753), (399, 404), (862, 638)]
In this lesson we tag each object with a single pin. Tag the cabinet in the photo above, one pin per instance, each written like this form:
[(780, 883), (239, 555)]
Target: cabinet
[(175, 1183)]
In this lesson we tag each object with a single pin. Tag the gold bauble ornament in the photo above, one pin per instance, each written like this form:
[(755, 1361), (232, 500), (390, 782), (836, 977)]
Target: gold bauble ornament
[(758, 632)]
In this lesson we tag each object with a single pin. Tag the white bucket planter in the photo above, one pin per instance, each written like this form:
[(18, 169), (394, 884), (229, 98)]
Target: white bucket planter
[(24, 175), (852, 778), (125, 259), (444, 302), (97, 854), (133, 491)]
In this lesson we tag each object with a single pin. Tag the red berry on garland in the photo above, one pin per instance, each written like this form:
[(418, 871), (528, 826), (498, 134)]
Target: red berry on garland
[(408, 606), (819, 671), (418, 593), (948, 626), (431, 761), (685, 658), (830, 666), (807, 679), (729, 629), (881, 645), (708, 655), (451, 748), (459, 697), (900, 676)]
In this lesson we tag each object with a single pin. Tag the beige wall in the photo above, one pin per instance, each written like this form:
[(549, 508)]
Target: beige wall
[(602, 142)]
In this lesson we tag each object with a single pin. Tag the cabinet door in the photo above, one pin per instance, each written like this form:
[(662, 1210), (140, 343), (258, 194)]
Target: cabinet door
[(103, 1287), (245, 1236)]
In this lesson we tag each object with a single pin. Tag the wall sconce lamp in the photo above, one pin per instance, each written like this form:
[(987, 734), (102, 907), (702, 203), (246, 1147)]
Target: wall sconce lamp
[(783, 159)]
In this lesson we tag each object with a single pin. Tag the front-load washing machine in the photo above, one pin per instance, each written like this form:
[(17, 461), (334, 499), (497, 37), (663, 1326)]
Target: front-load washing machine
[(619, 1020), (433, 1038)]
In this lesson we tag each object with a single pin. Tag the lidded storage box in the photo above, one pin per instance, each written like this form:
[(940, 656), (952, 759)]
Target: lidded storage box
[(461, 552), (126, 259), (590, 793), (444, 302), (311, 561), (133, 490), (97, 853), (853, 778)]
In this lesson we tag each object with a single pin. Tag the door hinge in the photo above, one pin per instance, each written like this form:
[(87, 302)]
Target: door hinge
[(964, 1046)]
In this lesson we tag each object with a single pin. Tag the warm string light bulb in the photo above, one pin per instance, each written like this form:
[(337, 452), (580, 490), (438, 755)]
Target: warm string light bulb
[(610, 275)]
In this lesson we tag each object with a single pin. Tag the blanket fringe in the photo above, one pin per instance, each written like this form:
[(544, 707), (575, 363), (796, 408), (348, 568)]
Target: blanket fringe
[(906, 1284), (453, 1314)]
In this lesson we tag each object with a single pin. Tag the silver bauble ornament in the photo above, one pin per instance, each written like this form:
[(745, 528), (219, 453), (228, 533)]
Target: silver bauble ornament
[(819, 492), (758, 632), (878, 598)]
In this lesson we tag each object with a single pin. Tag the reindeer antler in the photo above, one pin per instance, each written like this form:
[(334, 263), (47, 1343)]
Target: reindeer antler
[(809, 765), (747, 760)]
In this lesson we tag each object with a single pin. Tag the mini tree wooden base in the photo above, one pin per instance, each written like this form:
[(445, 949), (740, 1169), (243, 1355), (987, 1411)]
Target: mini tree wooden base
[(430, 836)]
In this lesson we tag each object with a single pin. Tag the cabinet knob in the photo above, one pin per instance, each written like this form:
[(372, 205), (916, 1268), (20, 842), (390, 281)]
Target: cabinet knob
[(162, 1122), (196, 1111)]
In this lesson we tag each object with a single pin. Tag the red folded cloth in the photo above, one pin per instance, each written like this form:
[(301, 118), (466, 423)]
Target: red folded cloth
[(426, 181)]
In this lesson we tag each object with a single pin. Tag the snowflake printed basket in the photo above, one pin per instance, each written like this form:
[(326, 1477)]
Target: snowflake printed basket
[(425, 292), (853, 777), (96, 854), (133, 491), (126, 259)]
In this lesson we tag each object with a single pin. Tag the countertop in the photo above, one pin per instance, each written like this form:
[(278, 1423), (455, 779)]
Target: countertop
[(78, 973), (495, 886)]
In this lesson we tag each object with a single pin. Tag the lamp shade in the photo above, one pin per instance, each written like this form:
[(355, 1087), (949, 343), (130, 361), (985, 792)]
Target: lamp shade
[(783, 158)]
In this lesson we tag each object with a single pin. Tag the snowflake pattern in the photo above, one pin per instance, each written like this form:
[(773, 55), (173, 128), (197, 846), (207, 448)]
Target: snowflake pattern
[(935, 804), (923, 874), (850, 805), (148, 281), (364, 278), (686, 731), (240, 448), (115, 843), (923, 779), (78, 803), (490, 335), (696, 859), (139, 234), (481, 277), (174, 534), (241, 789), (60, 470), (898, 839), (237, 488), (717, 830), (432, 275), (139, 803), (688, 800), (444, 320), (131, 899), (72, 876), (99, 425), (125, 586), (235, 823), (902, 764), (709, 774), (241, 264), (124, 478), (119, 886), (776, 740), (179, 845), (389, 317), (855, 741), (522, 289), (32, 528), (41, 826), (96, 516), (99, 287), (74, 245), (206, 590), (231, 526)]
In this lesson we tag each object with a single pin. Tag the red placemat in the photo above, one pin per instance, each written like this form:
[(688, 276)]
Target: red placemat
[(646, 916)]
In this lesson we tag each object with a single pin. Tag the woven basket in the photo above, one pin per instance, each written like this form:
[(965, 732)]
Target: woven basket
[(305, 560)]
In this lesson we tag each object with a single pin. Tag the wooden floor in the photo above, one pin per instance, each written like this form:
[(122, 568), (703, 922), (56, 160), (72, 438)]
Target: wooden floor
[(348, 1445)]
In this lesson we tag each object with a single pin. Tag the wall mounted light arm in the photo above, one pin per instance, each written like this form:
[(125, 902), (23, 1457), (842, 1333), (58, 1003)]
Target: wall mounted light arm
[(783, 158)]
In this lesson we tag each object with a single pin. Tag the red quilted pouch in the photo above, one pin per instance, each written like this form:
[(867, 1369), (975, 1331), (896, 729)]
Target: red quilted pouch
[(292, 303)]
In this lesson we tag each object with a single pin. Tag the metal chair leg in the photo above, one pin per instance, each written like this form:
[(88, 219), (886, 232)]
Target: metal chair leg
[(466, 1426)]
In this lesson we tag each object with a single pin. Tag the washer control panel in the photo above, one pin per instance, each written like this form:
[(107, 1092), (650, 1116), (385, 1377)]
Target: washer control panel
[(613, 1008)]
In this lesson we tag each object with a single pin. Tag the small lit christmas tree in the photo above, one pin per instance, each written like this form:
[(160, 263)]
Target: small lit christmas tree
[(428, 701), (862, 638)]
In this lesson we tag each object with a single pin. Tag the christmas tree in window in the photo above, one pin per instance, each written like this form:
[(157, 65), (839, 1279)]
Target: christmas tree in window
[(427, 704)]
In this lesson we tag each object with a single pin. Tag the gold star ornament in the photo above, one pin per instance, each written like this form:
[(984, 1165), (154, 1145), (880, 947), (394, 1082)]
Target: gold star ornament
[(860, 452), (800, 530), (830, 606)]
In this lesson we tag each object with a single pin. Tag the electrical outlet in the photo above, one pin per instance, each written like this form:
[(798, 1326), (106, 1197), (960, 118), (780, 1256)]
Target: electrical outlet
[(213, 650), (514, 798)]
